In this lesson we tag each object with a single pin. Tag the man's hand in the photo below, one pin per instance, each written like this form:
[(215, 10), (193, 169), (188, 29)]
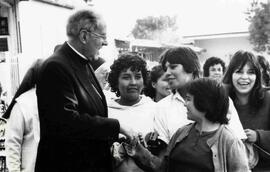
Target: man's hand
[(129, 133), (251, 135)]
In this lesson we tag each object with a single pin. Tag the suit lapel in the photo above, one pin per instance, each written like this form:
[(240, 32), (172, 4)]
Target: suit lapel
[(79, 68)]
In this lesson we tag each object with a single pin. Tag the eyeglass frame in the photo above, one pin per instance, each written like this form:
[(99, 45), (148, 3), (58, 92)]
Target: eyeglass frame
[(97, 35)]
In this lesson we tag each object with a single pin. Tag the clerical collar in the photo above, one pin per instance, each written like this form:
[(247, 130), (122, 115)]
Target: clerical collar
[(82, 56)]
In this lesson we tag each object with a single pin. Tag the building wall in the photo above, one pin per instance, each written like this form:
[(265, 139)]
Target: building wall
[(222, 47), (7, 74), (42, 27)]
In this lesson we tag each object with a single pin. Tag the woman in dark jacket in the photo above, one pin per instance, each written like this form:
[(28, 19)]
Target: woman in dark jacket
[(251, 100)]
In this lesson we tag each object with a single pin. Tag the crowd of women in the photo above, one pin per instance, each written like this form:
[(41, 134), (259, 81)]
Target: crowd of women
[(184, 121)]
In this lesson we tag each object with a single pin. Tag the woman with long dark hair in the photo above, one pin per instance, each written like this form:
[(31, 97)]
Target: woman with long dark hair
[(251, 100)]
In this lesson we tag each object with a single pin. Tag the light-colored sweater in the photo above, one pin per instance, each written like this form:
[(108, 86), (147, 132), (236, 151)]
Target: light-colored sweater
[(139, 117), (23, 134), (228, 151)]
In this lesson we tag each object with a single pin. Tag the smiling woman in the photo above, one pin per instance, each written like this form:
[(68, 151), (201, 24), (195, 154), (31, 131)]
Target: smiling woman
[(251, 100), (130, 85), (127, 79)]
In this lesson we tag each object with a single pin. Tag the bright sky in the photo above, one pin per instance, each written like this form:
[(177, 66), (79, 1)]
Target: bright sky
[(196, 17)]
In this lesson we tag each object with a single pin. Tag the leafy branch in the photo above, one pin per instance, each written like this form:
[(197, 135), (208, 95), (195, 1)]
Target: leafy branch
[(152, 27), (259, 29)]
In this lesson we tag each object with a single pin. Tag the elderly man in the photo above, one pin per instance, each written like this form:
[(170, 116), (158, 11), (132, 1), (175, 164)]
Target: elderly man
[(76, 134)]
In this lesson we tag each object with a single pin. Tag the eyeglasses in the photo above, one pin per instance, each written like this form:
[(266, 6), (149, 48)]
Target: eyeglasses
[(97, 35)]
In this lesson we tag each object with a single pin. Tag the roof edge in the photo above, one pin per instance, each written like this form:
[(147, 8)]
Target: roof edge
[(56, 3), (218, 35)]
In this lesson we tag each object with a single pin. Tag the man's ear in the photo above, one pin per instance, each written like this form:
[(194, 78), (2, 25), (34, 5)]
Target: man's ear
[(83, 37), (154, 84)]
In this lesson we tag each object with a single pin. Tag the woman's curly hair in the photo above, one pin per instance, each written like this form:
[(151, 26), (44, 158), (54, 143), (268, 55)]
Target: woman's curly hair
[(124, 62)]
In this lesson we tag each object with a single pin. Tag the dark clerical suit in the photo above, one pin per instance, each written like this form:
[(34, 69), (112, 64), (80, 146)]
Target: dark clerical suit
[(75, 132)]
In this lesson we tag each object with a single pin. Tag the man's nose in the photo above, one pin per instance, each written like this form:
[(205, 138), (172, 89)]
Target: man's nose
[(104, 43)]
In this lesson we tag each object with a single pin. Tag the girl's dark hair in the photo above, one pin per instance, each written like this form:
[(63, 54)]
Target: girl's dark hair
[(211, 62), (238, 61), (184, 56), (210, 97), (124, 62), (265, 70), (155, 74)]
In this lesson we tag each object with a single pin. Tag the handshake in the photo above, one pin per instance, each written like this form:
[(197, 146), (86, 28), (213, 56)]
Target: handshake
[(150, 141), (126, 147)]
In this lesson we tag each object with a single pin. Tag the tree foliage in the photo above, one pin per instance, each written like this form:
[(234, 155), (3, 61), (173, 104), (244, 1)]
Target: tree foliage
[(259, 28), (150, 27)]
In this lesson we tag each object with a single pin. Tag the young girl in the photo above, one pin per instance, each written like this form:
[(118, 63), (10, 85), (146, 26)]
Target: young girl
[(207, 144)]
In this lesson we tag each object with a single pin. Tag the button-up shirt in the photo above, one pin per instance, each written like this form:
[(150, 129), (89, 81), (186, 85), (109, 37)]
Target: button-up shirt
[(170, 114)]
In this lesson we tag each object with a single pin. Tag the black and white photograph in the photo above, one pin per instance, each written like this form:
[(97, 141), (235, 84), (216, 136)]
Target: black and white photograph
[(135, 86)]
